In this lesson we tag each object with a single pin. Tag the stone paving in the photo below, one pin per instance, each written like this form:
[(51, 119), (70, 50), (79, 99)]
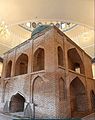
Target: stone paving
[(7, 117)]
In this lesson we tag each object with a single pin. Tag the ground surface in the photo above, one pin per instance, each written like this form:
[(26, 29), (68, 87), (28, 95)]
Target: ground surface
[(7, 117)]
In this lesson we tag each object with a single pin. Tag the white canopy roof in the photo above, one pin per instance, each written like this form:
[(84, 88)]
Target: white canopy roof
[(77, 11)]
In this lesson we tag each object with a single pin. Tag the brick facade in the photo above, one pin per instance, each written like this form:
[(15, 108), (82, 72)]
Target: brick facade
[(50, 71)]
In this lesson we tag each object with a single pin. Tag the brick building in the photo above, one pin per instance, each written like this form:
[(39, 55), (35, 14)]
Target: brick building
[(49, 72)]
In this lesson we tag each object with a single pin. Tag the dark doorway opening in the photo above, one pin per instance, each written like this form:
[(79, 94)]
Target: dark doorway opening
[(92, 95), (17, 103), (78, 98)]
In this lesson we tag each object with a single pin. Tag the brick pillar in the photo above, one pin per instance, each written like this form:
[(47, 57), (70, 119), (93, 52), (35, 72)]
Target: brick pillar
[(29, 62), (67, 77), (30, 58), (87, 87), (4, 68), (2, 77), (13, 68), (13, 64), (89, 106), (30, 68)]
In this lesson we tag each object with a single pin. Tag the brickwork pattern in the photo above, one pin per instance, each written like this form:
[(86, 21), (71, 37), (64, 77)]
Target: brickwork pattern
[(51, 87)]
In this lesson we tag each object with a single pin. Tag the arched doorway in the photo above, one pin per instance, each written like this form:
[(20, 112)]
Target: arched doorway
[(21, 65), (92, 96), (17, 103), (78, 98), (8, 69), (38, 61)]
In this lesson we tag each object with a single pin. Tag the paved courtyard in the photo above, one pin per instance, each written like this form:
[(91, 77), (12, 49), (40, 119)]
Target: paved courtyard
[(6, 117)]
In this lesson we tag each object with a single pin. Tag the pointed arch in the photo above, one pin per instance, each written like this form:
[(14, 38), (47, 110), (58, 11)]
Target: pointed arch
[(21, 66), (17, 103), (38, 59), (60, 56), (38, 94), (78, 98), (74, 61), (37, 89), (62, 89), (8, 69)]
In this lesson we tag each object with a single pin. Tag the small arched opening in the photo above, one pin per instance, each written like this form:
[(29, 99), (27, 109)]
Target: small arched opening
[(17, 103), (77, 67)]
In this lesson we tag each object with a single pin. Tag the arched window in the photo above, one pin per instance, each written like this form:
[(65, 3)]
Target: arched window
[(62, 89), (21, 65), (74, 61), (8, 69), (78, 98), (17, 103), (38, 61), (60, 56)]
